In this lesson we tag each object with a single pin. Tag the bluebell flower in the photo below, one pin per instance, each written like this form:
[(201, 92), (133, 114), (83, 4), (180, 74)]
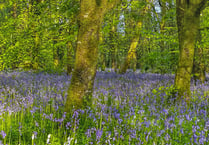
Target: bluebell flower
[(88, 133), (167, 137), (99, 134), (3, 134)]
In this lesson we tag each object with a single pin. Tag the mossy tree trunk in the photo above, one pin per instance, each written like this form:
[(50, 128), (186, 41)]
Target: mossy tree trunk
[(131, 56), (131, 59), (90, 19), (188, 19)]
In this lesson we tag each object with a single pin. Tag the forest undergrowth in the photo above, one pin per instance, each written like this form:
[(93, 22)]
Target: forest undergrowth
[(133, 108)]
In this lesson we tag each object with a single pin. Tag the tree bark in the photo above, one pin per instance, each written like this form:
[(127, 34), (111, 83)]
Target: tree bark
[(81, 87), (188, 19)]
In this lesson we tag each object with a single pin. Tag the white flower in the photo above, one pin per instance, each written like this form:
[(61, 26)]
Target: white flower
[(33, 136), (69, 139), (48, 139)]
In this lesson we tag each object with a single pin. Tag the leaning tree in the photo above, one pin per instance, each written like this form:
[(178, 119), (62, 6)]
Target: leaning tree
[(90, 20)]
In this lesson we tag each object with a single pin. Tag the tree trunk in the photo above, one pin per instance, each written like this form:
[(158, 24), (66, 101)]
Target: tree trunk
[(35, 50), (131, 59), (188, 19), (113, 46), (55, 55), (102, 57), (81, 87)]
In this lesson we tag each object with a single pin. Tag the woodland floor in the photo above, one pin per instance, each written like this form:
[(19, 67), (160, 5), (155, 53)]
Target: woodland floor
[(133, 108)]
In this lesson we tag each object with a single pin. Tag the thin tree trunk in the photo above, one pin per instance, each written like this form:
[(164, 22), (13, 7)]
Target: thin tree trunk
[(131, 57), (113, 46), (70, 59), (36, 51), (102, 56)]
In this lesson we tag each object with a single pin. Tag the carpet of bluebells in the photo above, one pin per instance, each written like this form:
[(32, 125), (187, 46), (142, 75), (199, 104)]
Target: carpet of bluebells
[(133, 108)]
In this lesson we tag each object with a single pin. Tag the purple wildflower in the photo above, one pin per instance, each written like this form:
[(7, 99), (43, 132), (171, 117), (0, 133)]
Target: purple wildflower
[(3, 134), (98, 134)]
